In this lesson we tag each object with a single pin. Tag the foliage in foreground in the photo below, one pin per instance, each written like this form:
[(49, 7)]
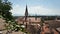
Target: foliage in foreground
[(5, 13)]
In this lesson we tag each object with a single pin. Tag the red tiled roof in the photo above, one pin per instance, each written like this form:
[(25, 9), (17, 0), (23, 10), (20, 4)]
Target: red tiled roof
[(53, 23), (29, 19)]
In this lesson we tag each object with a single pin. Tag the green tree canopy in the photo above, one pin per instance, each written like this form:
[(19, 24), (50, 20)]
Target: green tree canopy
[(5, 8)]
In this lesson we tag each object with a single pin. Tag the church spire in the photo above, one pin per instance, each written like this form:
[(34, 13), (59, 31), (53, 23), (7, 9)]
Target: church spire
[(26, 13)]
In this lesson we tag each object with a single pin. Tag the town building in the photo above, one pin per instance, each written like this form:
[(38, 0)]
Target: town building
[(28, 19), (48, 27)]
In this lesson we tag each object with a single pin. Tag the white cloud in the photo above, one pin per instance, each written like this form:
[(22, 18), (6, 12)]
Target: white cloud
[(40, 10), (17, 10)]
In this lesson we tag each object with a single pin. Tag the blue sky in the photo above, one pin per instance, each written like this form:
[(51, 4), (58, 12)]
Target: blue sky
[(39, 7)]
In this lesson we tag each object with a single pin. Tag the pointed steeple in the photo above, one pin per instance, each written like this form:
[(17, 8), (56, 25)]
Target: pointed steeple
[(26, 13)]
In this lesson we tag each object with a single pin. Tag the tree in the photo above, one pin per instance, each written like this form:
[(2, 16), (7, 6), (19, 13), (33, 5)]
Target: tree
[(5, 8)]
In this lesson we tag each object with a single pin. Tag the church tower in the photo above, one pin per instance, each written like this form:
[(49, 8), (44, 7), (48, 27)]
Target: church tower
[(26, 13)]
